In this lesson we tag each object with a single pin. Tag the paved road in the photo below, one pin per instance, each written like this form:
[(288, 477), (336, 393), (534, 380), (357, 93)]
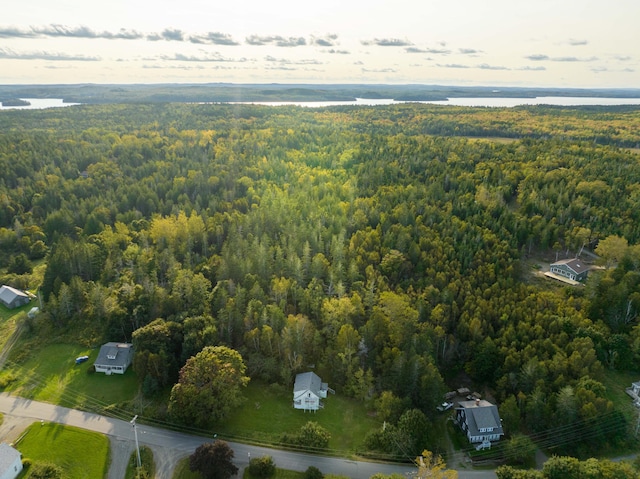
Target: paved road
[(169, 447)]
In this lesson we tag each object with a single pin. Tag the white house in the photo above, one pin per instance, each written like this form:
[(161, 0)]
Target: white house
[(10, 462), (308, 390), (114, 358), (12, 297), (634, 392), (479, 420)]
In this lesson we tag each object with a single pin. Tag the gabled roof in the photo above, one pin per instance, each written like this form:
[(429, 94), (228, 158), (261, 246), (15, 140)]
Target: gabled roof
[(308, 382), (8, 456), (578, 266), (481, 414), (114, 354), (8, 294)]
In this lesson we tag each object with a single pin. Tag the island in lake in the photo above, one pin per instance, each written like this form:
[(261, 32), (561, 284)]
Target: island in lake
[(15, 102)]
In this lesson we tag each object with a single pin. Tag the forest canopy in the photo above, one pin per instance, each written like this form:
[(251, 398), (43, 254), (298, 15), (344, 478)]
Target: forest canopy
[(389, 246)]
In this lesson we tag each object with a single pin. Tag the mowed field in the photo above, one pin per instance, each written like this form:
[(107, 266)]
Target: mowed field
[(268, 413), (50, 374), (79, 453)]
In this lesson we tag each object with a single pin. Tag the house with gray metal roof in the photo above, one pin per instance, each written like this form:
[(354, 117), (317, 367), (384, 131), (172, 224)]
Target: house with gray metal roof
[(114, 358), (12, 297), (308, 390), (479, 420)]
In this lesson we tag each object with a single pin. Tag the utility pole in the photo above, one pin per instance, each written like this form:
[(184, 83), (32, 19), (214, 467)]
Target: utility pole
[(135, 433)]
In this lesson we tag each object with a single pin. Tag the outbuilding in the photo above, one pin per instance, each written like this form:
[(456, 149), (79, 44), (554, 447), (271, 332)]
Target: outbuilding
[(12, 297)]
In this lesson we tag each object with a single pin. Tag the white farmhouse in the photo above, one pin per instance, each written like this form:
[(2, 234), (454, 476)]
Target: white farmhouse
[(308, 390), (10, 462)]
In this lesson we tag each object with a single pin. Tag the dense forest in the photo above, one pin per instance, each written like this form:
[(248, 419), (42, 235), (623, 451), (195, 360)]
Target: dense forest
[(395, 248)]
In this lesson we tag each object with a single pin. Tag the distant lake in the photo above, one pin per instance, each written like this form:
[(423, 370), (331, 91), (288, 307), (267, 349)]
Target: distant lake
[(39, 104), (496, 102)]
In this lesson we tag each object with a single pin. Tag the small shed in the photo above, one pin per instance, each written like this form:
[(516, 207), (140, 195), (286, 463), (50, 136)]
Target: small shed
[(12, 297), (114, 358), (10, 462)]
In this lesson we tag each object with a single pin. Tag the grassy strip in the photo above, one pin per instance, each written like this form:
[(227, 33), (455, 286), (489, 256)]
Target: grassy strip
[(280, 474), (78, 452), (148, 468)]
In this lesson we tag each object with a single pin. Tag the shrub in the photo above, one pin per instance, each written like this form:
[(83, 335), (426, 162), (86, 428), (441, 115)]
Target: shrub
[(44, 470), (313, 472), (262, 467)]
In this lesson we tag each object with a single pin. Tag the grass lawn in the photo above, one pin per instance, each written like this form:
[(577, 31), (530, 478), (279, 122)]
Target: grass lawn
[(182, 471), (78, 452), (616, 382), (51, 375), (268, 413)]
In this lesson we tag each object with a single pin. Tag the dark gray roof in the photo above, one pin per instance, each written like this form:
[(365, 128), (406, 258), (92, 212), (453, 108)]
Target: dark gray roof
[(8, 294), (114, 354), (481, 414), (577, 265), (308, 382)]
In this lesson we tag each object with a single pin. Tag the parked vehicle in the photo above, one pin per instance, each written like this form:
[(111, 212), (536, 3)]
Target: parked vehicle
[(445, 406), (81, 359)]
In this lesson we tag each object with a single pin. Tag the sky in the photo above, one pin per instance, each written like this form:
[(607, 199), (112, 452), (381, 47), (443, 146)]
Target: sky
[(528, 43)]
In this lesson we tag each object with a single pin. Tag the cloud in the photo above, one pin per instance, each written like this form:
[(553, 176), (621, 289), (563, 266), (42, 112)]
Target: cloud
[(577, 43), (6, 53), (538, 68), (206, 57), (326, 41), (387, 42), (286, 61), (214, 38), (453, 65), (484, 66), (380, 70), (469, 51), (172, 34), (622, 58), (173, 67), (339, 52), (433, 51), (537, 57), (57, 30), (276, 40), (540, 57), (14, 32), (573, 59)]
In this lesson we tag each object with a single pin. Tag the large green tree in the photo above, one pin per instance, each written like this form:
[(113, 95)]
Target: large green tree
[(210, 385)]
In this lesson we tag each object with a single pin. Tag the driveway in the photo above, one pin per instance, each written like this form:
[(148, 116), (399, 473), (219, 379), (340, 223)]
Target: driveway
[(169, 446)]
